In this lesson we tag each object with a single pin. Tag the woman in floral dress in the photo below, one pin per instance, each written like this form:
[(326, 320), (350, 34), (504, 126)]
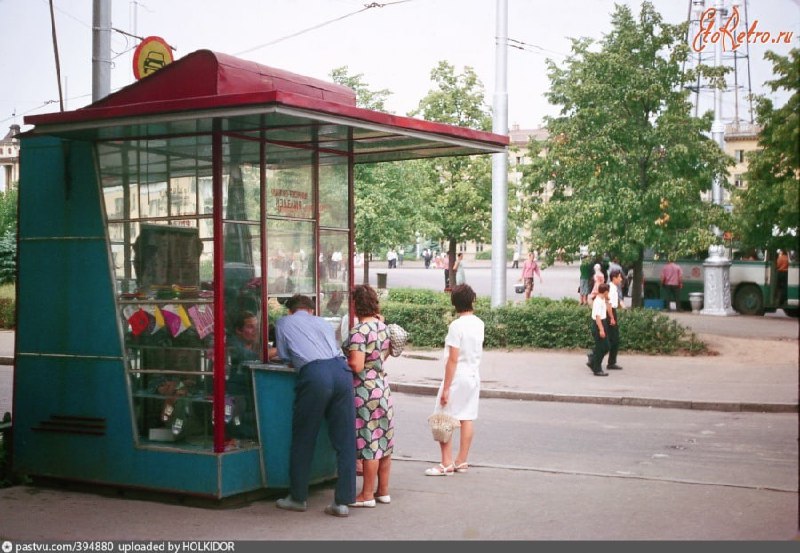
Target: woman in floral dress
[(368, 348)]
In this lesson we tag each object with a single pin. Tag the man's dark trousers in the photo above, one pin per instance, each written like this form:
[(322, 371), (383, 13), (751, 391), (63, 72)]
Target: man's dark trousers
[(600, 347), (612, 333), (324, 391), (672, 293)]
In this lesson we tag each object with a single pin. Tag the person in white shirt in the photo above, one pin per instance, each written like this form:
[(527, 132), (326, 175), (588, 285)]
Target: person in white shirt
[(459, 391), (600, 311), (615, 302)]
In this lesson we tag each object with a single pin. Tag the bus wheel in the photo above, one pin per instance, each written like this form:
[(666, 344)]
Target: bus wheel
[(748, 300)]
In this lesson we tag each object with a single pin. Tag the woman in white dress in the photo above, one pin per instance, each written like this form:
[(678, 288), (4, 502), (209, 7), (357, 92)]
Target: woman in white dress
[(460, 389), (458, 267)]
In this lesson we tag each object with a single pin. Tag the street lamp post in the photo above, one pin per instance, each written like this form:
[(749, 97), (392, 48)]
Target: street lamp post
[(716, 279), (500, 161)]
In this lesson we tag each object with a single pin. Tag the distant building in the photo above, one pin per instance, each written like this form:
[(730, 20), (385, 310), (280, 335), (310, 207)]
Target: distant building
[(9, 158), (740, 140)]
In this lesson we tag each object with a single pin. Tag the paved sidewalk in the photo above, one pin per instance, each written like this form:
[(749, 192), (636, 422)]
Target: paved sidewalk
[(734, 380)]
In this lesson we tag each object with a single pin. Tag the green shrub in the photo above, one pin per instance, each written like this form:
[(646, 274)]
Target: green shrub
[(538, 323), (7, 319), (425, 323), (8, 256), (8, 294), (487, 254)]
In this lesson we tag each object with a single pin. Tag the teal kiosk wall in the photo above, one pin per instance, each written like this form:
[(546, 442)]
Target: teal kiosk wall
[(152, 220)]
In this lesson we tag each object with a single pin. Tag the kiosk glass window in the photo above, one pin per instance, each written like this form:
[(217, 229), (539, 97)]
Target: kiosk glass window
[(163, 266), (158, 197), (333, 205), (290, 184), (290, 246), (241, 246), (334, 279)]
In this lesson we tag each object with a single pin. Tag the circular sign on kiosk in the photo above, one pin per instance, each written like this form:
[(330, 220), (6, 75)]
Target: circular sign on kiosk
[(152, 54)]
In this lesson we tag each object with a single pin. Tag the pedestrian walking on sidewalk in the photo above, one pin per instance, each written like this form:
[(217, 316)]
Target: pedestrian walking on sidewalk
[(584, 282), (529, 269), (600, 309), (460, 389), (612, 327), (615, 302), (458, 267)]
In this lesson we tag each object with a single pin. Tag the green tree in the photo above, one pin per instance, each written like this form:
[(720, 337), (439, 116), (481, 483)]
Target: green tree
[(459, 194), (8, 210), (8, 235), (766, 212), (625, 161), (387, 210)]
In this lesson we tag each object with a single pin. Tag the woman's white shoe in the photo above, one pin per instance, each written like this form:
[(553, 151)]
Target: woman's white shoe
[(441, 470)]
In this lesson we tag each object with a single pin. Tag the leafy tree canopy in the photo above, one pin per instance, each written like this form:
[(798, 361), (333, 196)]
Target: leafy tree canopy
[(625, 161), (459, 195), (386, 194), (766, 212)]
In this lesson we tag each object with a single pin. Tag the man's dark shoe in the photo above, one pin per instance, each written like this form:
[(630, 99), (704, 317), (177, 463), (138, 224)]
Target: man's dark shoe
[(337, 510), (614, 367), (600, 373), (291, 504)]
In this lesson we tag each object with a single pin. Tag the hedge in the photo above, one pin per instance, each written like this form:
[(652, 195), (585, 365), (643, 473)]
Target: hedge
[(537, 323), (7, 313)]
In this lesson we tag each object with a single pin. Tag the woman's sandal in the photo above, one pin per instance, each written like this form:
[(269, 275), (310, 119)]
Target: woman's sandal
[(462, 467), (441, 470)]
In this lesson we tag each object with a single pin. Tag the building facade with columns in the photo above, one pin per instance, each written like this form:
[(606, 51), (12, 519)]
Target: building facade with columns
[(9, 158)]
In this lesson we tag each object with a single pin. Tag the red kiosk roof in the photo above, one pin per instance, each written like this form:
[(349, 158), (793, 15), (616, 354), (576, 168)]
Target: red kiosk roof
[(205, 85)]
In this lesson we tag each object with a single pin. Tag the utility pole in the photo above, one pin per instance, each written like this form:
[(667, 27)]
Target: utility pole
[(500, 161), (101, 49)]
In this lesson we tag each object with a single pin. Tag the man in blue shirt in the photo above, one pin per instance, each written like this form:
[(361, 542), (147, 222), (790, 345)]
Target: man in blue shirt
[(324, 390)]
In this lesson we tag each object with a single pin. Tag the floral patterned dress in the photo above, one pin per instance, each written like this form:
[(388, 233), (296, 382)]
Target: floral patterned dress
[(373, 399)]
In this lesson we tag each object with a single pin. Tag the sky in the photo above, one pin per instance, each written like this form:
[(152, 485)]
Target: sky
[(393, 45)]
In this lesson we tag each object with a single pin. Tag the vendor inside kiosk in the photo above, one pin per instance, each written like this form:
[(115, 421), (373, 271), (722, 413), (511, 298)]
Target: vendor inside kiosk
[(161, 230)]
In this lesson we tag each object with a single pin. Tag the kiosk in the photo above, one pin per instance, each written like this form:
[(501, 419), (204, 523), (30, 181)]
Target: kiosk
[(153, 220)]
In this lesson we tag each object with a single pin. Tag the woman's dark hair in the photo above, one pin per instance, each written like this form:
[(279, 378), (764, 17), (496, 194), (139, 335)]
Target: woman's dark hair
[(241, 318), (365, 301), (462, 297), (299, 301)]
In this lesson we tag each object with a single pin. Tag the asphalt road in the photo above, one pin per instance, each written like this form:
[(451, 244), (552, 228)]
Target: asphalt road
[(559, 281), (749, 450)]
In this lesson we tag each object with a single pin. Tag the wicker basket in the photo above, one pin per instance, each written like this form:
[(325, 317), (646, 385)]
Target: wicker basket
[(442, 426)]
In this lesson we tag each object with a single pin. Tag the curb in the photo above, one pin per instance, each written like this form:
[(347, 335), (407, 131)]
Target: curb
[(422, 389)]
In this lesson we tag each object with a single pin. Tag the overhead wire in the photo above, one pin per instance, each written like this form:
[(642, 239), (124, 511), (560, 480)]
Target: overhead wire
[(60, 101), (366, 7), (533, 48), (324, 23)]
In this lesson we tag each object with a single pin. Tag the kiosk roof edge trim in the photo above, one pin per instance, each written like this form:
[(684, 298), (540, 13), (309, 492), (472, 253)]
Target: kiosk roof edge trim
[(206, 84)]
